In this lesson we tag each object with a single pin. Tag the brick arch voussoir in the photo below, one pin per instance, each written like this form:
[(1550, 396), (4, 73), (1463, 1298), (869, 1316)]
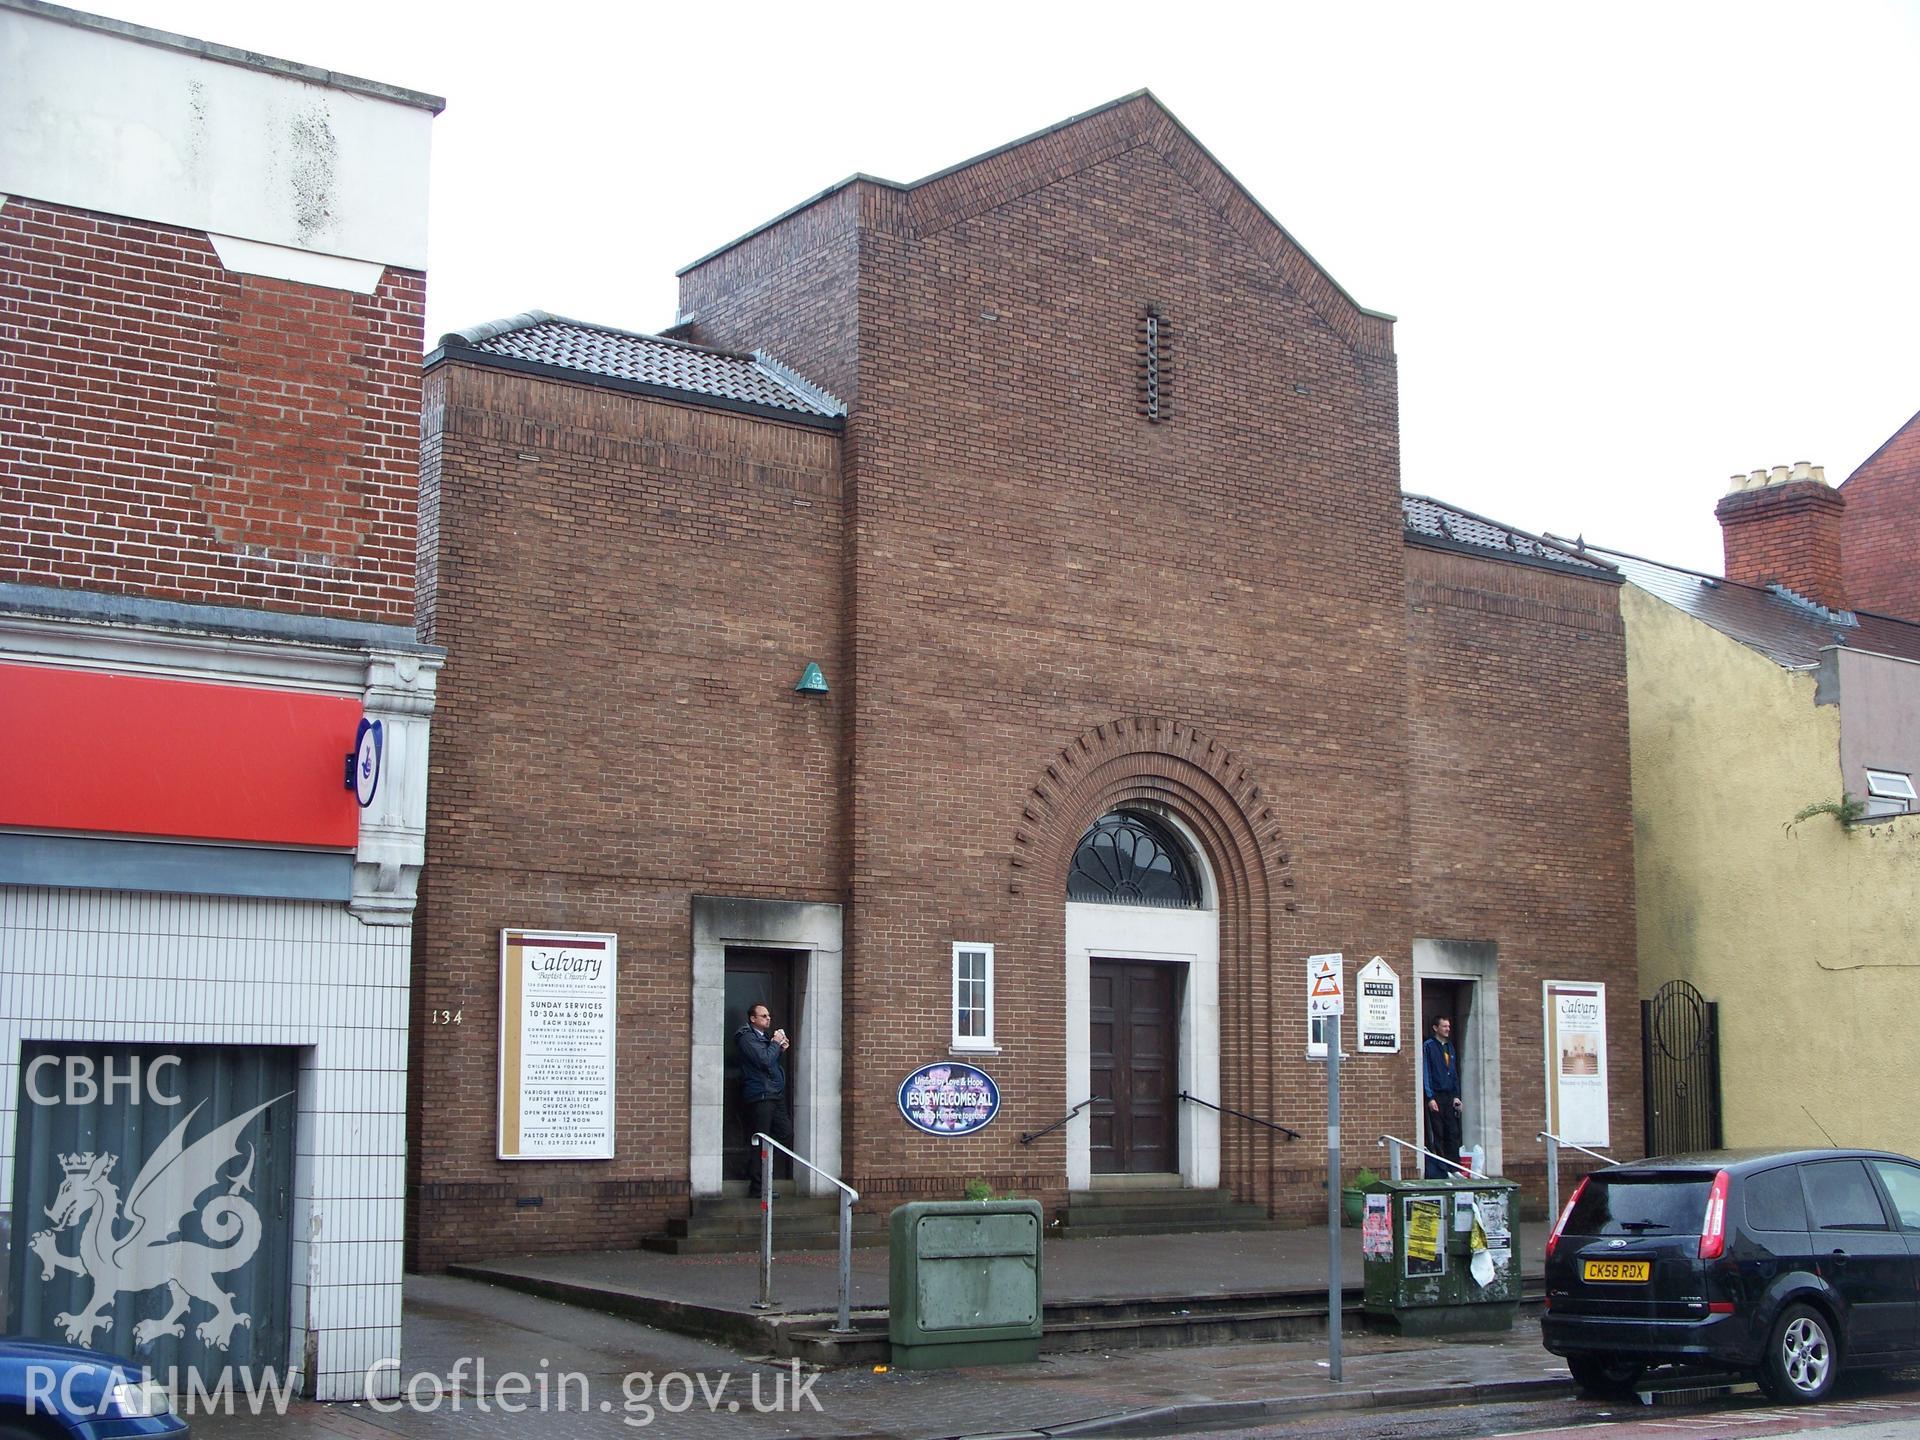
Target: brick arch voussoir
[(1168, 762)]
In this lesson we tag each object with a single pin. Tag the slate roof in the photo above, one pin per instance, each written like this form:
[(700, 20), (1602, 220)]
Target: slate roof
[(1440, 526), (1788, 629), (554, 345)]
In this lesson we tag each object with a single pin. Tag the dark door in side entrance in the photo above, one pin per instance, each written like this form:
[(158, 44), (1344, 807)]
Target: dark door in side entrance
[(772, 978), (1133, 1016)]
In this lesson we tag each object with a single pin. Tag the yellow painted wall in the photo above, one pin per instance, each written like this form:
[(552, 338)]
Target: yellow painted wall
[(1809, 939)]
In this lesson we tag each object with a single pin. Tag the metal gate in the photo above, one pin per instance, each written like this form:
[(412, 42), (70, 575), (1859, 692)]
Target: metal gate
[(1680, 1060), (152, 1194)]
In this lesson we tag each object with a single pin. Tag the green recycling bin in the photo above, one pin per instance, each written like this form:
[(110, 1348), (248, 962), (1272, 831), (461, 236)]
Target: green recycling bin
[(964, 1283), (1442, 1257)]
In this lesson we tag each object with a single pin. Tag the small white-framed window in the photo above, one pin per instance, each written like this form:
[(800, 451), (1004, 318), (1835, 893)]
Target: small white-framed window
[(1889, 792), (972, 995), (1317, 1026)]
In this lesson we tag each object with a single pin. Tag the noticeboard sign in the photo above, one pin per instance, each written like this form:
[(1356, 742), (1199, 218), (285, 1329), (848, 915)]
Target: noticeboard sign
[(556, 1045), (1576, 1030), (1377, 1018)]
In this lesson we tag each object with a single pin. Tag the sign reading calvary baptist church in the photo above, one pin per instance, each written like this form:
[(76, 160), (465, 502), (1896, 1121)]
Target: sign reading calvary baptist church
[(1576, 1032), (556, 1045)]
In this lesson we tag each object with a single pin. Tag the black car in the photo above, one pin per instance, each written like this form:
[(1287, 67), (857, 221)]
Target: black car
[(1785, 1263)]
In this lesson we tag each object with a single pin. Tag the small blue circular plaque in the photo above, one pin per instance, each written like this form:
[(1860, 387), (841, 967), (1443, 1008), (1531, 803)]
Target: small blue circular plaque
[(949, 1098)]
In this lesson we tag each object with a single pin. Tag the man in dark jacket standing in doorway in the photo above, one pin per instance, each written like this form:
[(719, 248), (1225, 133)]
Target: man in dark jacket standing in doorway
[(1440, 1083), (763, 1084)]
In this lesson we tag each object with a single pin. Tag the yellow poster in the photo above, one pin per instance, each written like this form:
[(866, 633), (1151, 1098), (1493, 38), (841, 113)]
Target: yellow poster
[(1424, 1255)]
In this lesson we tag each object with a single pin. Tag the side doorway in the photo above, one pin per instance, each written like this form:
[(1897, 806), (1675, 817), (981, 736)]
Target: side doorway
[(776, 979)]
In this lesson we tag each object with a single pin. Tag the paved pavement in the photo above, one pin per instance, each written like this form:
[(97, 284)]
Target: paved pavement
[(621, 1377), (1222, 1263), (604, 1375)]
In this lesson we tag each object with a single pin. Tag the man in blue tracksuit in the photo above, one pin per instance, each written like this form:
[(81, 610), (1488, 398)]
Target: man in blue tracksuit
[(763, 1084), (1440, 1084)]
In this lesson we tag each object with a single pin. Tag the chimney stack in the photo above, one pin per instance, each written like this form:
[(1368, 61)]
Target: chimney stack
[(1782, 527)]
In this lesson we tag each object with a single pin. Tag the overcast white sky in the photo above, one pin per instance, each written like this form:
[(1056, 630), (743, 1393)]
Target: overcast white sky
[(1633, 248)]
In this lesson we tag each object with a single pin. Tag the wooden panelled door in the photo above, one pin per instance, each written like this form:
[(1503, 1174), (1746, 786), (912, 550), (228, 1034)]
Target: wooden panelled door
[(1134, 1015)]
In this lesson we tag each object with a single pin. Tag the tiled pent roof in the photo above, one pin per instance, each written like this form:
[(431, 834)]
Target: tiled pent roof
[(554, 344), (1786, 628), (1447, 527)]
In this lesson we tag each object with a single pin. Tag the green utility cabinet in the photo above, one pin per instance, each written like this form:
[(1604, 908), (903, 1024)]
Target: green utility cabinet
[(965, 1283), (1420, 1239)]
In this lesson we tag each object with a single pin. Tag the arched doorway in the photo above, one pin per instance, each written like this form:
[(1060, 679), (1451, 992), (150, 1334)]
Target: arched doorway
[(1143, 1001)]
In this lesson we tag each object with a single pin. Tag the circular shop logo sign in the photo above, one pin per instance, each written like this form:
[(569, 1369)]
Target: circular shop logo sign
[(949, 1098), (368, 748)]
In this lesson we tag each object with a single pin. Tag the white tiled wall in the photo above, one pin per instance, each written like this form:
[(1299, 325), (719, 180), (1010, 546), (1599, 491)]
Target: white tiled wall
[(107, 966)]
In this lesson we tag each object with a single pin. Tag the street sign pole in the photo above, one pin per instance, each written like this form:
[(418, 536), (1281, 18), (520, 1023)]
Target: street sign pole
[(1327, 1002), (1333, 1195)]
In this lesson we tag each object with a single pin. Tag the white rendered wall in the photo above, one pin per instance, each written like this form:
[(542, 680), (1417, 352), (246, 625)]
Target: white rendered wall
[(93, 118), (112, 967)]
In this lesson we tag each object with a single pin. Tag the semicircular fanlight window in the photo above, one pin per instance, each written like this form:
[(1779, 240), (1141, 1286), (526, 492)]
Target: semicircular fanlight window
[(1130, 859)]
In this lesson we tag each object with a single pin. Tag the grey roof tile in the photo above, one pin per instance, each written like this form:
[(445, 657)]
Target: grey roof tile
[(595, 350), (1434, 522), (1784, 627)]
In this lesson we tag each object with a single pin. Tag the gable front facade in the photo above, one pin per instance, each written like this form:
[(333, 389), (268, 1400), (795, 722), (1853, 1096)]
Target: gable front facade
[(1097, 536)]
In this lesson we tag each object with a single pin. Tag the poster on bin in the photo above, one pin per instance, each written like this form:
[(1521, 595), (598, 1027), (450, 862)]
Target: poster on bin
[(1376, 1228), (1426, 1254), (1576, 1033)]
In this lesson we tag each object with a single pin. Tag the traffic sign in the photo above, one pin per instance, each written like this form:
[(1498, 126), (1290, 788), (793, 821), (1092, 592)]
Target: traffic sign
[(1326, 986)]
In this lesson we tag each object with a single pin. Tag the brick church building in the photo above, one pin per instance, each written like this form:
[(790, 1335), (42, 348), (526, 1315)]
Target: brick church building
[(1140, 682)]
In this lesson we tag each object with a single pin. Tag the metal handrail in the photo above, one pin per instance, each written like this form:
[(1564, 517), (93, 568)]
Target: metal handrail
[(1421, 1151), (1285, 1130), (1569, 1145), (1554, 1142), (1027, 1137), (767, 1144)]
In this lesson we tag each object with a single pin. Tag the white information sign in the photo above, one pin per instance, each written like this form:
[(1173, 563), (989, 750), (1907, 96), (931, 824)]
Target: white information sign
[(1378, 1021), (556, 1045), (1326, 988), (1576, 1031)]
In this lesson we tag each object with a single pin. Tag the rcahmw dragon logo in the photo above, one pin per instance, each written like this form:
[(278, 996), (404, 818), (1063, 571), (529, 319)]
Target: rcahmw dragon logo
[(142, 1247)]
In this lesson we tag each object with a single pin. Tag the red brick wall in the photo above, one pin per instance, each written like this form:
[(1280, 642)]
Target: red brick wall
[(1786, 535), (1522, 809), (179, 431), (627, 590), (1882, 527), (1034, 561)]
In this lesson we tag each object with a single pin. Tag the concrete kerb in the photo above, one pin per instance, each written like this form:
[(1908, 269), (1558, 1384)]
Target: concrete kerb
[(1219, 1414)]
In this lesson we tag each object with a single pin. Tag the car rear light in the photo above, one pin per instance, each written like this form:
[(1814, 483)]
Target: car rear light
[(1561, 1223), (1720, 1307), (1713, 1228)]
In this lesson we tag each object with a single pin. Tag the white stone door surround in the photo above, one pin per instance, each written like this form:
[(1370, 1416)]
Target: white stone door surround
[(1190, 938), (803, 926), (1479, 1047)]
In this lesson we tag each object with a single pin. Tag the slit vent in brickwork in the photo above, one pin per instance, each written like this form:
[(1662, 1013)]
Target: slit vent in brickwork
[(1156, 366)]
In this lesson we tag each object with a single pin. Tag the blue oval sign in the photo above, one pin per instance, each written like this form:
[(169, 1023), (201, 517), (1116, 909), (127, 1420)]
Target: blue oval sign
[(369, 747), (948, 1098)]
